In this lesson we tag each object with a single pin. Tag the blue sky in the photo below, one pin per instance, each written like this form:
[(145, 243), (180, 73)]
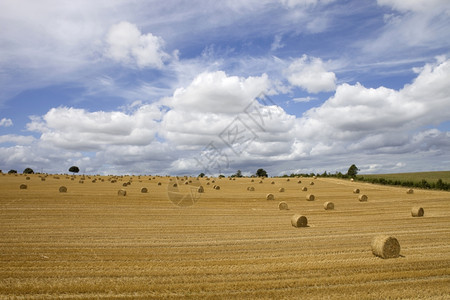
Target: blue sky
[(176, 87)]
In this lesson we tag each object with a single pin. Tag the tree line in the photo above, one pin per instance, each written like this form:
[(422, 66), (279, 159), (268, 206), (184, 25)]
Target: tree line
[(423, 184)]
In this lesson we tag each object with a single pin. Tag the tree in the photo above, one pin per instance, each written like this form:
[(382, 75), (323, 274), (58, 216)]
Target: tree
[(238, 173), (28, 171), (261, 173), (12, 172), (74, 169), (201, 175), (352, 171)]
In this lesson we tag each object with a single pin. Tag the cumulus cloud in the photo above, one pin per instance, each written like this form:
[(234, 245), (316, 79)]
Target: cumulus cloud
[(16, 139), (380, 120), (217, 92), (5, 122), (310, 74), (78, 129), (230, 114), (126, 44)]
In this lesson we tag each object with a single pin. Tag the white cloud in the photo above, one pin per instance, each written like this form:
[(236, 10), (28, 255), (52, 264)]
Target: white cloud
[(304, 99), (222, 109), (416, 5), (276, 44), (16, 139), (294, 3), (310, 74), (77, 129), (217, 92), (5, 122), (359, 119), (415, 26), (126, 44)]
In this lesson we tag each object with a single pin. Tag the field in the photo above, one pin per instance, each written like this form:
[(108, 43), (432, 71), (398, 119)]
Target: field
[(230, 244), (414, 177)]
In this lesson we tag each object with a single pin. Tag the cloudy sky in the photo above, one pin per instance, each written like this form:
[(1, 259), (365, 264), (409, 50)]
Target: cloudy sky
[(183, 87)]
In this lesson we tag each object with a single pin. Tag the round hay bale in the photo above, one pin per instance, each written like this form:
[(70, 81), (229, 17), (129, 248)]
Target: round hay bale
[(410, 191), (299, 221), (251, 189), (200, 189), (273, 182), (311, 183), (281, 190), (122, 192), (362, 198), (144, 190), (385, 246), (42, 179), (62, 189), (260, 181), (174, 185), (207, 183), (159, 183), (356, 191), (283, 206), (299, 181), (125, 184), (351, 179), (23, 186), (270, 197), (217, 187), (304, 189), (81, 181), (417, 211), (27, 178), (310, 197), (288, 179), (186, 182), (328, 205), (253, 180)]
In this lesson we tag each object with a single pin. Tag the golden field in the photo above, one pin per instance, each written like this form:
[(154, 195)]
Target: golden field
[(231, 244)]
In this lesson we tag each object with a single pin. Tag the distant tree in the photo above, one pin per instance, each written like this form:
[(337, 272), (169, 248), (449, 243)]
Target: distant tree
[(352, 171), (238, 173), (28, 171), (221, 176), (261, 173), (12, 172), (74, 169), (201, 175)]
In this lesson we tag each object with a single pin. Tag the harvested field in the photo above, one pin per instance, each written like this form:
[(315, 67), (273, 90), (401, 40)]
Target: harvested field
[(90, 243)]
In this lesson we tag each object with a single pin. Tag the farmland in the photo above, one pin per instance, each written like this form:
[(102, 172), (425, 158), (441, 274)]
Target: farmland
[(232, 243)]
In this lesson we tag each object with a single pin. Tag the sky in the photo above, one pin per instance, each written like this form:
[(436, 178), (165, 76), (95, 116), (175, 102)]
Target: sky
[(185, 87)]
